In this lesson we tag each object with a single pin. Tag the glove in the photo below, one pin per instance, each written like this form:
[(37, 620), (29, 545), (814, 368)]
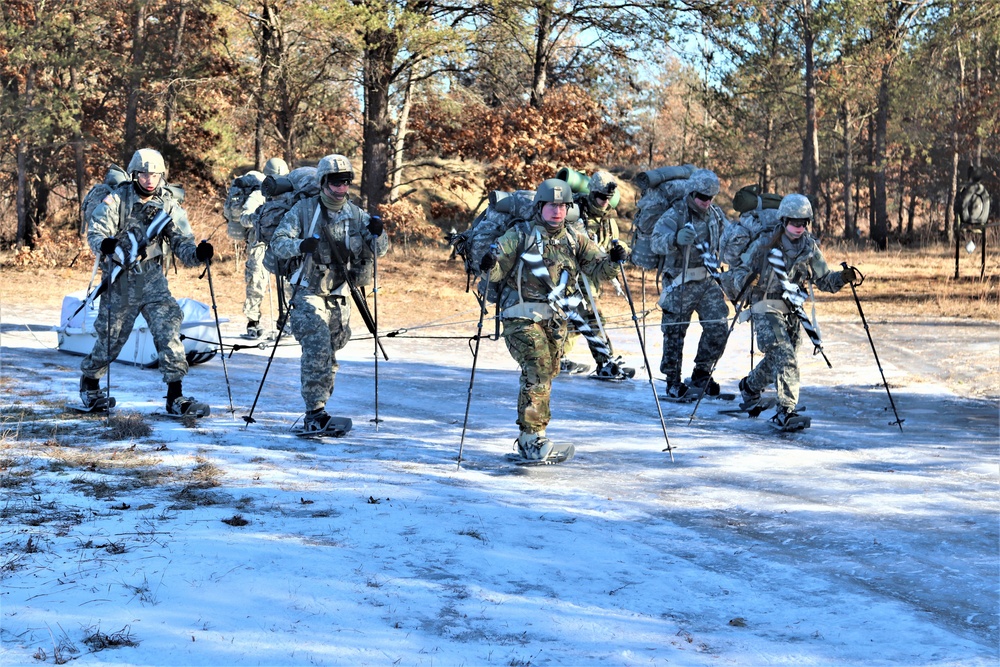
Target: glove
[(849, 275), (204, 252), (487, 262), (108, 245), (618, 254), (686, 235), (308, 246), (254, 201), (375, 226)]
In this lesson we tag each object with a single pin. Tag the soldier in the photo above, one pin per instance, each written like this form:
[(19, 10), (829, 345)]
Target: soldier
[(777, 313), (598, 221), (538, 263), (688, 286), (129, 226), (335, 239), (244, 199)]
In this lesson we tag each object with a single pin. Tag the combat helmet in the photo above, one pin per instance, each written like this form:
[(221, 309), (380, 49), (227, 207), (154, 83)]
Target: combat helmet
[(553, 190), (148, 160), (603, 184), (795, 207), (704, 181), (334, 165), (275, 167)]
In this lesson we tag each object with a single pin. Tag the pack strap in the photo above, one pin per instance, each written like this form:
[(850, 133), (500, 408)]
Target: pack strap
[(794, 298)]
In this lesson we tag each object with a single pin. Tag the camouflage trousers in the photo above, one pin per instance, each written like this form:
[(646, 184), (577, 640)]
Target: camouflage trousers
[(257, 278), (321, 325), (131, 294), (778, 337), (704, 297), (537, 347)]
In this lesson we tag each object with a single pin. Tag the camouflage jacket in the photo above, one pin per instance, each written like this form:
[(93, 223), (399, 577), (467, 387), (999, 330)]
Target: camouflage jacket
[(664, 240), (524, 295), (347, 228), (804, 264), (123, 211)]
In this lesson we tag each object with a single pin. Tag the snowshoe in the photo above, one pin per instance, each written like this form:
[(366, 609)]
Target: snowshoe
[(536, 449), (570, 367), (319, 424), (710, 389), (93, 398), (678, 392), (186, 406), (790, 420), (614, 370), (751, 410), (254, 330)]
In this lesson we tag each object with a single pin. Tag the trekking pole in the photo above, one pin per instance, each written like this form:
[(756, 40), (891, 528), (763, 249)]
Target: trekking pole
[(277, 339), (375, 317), (218, 331), (107, 334), (645, 357), (481, 300), (898, 422), (739, 305)]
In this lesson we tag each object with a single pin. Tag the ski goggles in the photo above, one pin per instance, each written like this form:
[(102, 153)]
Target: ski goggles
[(702, 197)]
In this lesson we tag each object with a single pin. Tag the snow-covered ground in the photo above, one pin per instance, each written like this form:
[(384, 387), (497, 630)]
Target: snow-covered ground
[(851, 543)]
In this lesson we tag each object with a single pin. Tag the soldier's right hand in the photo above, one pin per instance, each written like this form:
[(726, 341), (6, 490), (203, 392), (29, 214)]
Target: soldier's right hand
[(686, 235), (308, 246), (487, 262), (108, 245)]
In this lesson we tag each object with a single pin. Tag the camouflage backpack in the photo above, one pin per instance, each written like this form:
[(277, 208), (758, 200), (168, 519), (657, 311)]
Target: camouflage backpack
[(661, 189), (758, 215), (282, 193), (232, 210), (115, 177)]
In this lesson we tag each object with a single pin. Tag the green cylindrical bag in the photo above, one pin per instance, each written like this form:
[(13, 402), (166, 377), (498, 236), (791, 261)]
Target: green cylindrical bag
[(578, 181)]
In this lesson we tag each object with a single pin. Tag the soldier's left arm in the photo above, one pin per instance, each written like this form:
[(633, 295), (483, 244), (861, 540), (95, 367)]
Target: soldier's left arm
[(180, 236), (822, 276)]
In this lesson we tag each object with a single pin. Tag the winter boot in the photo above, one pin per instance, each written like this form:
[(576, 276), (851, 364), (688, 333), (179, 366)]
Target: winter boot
[(751, 399), (534, 446), (615, 369), (315, 421), (677, 390), (702, 383), (254, 330), (790, 420), (572, 368), (94, 398), (184, 406)]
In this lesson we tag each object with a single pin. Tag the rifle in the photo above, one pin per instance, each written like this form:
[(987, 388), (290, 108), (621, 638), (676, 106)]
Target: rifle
[(337, 250)]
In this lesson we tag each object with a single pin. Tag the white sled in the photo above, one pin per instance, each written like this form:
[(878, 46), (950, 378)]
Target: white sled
[(76, 332)]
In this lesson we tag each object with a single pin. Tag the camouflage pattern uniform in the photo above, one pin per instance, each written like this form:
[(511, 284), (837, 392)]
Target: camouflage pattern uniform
[(779, 332), (536, 335), (143, 288), (700, 294), (321, 310), (600, 224)]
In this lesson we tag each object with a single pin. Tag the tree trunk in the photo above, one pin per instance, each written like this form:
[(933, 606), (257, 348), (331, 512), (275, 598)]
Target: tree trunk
[(766, 169), (173, 88), (269, 27), (135, 78), (540, 67), (809, 173), (381, 47), (400, 142), (880, 230), (950, 223), (79, 159), (847, 177)]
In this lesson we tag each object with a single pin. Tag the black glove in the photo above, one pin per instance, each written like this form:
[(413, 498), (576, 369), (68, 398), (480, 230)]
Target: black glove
[(204, 251), (308, 246), (487, 262), (375, 226), (849, 275), (108, 245), (618, 253)]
